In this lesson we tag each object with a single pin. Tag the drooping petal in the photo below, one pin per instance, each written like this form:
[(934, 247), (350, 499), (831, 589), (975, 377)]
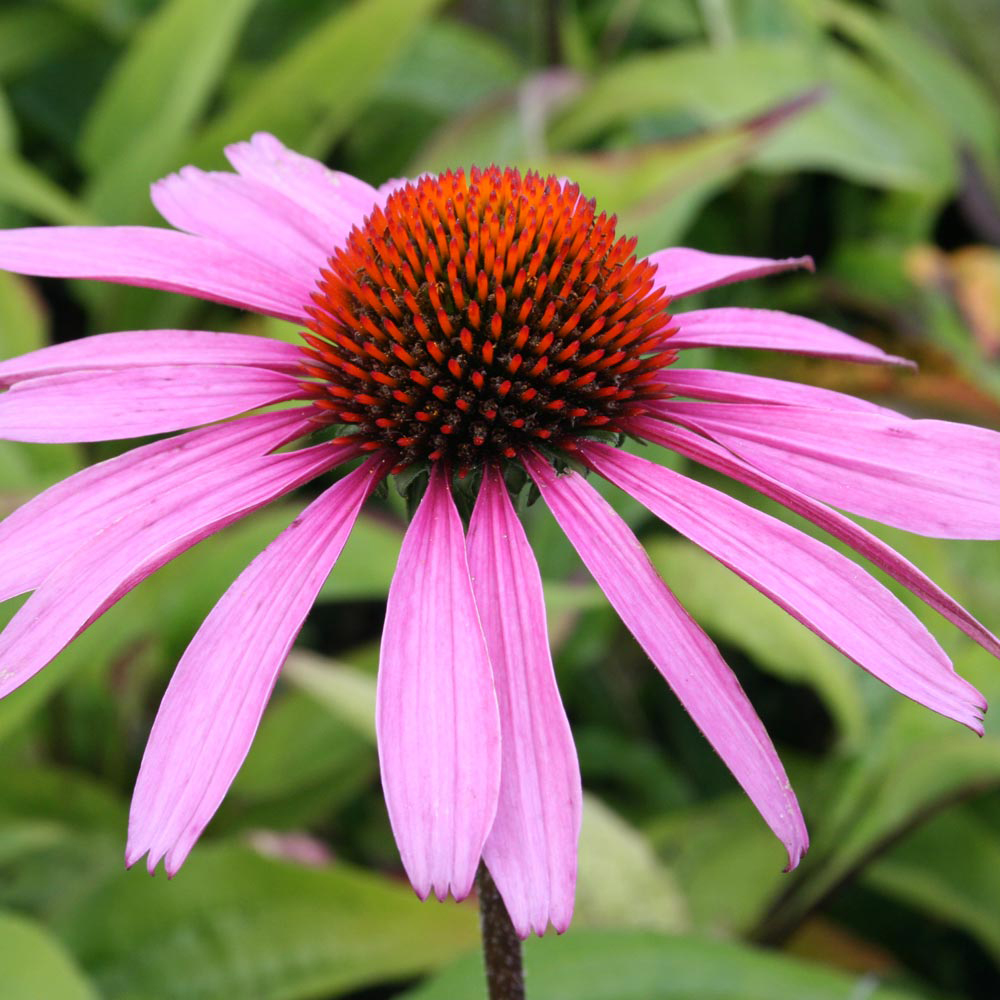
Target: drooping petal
[(770, 330), (531, 850), (737, 387), (215, 699), (816, 585), (43, 532), (436, 710), (339, 200), (143, 348), (927, 476), (681, 651), (246, 214), (712, 455), (681, 271), (156, 258), (112, 405), (98, 574)]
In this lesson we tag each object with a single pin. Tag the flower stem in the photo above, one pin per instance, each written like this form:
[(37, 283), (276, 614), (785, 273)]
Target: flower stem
[(501, 945)]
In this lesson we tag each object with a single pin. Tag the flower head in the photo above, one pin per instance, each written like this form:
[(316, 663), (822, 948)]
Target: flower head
[(471, 318), (465, 323)]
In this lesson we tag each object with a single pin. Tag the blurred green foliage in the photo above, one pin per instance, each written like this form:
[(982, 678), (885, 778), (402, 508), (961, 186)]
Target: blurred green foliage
[(685, 119)]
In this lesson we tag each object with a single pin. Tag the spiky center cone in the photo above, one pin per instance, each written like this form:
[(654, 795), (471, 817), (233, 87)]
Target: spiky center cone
[(477, 315)]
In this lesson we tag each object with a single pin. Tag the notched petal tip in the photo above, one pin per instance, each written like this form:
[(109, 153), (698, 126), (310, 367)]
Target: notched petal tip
[(794, 858), (441, 890), (558, 922), (797, 846), (458, 893), (977, 718), (971, 709)]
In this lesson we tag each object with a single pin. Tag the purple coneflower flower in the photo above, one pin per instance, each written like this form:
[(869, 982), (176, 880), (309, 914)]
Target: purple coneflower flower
[(476, 324)]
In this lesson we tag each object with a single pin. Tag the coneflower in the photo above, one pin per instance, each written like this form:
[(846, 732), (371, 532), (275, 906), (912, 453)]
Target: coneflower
[(477, 325)]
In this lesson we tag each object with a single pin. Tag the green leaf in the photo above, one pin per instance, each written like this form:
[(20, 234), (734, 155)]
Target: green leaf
[(35, 965), (165, 77), (940, 83), (187, 588), (620, 881), (8, 126), (31, 34), (114, 18), (23, 321), (680, 19), (95, 649), (303, 766), (62, 835), (914, 764), (731, 610), (59, 796), (950, 869), (655, 188), (726, 860), (236, 924), (449, 67), (346, 691), (589, 965), (26, 469), (864, 129), (658, 189), (158, 91), (365, 567), (490, 133), (57, 868), (311, 94), (29, 190), (968, 28)]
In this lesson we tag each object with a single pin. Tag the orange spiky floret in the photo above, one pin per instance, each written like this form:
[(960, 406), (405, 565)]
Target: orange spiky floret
[(478, 314)]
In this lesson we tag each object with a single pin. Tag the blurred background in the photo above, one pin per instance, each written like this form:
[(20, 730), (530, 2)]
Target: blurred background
[(686, 118)]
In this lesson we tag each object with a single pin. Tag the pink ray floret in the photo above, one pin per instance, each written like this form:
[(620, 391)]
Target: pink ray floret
[(466, 328)]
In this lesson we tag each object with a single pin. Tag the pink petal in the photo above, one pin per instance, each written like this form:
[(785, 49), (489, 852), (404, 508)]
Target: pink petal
[(42, 533), (339, 200), (129, 549), (156, 258), (681, 651), (817, 586), (142, 348), (531, 850), (926, 476), (769, 330), (215, 700), (111, 405), (735, 387), (249, 216), (684, 272), (862, 541), (436, 709)]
